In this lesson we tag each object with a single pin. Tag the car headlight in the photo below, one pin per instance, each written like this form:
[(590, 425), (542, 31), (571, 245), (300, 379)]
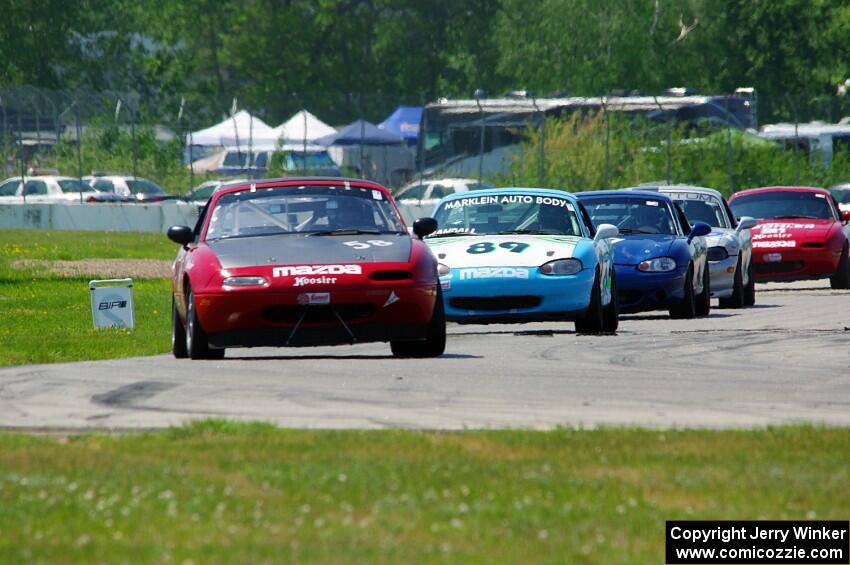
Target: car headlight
[(561, 267), (245, 281), (443, 270), (659, 265), (717, 253)]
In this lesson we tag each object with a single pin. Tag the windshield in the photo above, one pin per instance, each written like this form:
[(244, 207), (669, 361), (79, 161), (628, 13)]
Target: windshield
[(320, 210), (778, 205), (510, 213), (701, 208), (316, 160), (143, 187), (632, 215), (10, 187), (235, 158), (74, 185)]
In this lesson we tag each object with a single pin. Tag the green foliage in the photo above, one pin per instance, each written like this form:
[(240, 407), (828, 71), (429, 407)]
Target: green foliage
[(575, 157), (106, 147), (342, 58)]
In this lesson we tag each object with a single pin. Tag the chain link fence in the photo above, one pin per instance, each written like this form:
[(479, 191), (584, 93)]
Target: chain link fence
[(82, 132)]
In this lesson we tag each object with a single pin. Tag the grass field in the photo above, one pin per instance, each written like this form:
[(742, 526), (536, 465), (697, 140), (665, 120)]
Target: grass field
[(46, 317), (247, 493)]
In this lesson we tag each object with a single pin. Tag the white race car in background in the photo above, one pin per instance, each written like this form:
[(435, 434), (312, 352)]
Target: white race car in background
[(730, 245)]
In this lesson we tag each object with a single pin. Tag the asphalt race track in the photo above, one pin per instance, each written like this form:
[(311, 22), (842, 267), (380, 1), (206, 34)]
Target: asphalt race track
[(785, 360)]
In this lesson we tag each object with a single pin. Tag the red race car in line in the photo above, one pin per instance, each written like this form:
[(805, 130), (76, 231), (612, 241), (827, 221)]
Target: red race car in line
[(801, 234), (304, 262)]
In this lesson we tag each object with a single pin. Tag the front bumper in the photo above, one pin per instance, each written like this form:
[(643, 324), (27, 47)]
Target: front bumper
[(641, 292), (354, 314), (791, 264), (509, 300)]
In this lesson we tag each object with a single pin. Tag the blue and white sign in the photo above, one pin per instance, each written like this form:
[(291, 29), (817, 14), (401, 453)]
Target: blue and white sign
[(112, 303)]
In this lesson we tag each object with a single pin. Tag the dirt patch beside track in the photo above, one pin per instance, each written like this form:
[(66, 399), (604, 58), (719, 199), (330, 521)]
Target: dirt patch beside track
[(102, 268)]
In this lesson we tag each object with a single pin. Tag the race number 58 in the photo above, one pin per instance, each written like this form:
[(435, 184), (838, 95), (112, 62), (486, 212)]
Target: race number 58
[(369, 243)]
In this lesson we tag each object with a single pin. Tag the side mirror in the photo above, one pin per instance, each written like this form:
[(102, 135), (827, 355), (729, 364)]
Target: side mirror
[(424, 227), (699, 229), (181, 234), (845, 216), (606, 231), (746, 223)]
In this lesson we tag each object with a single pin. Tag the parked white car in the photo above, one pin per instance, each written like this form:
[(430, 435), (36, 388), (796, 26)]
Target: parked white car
[(730, 245), (50, 188), (419, 198), (841, 193)]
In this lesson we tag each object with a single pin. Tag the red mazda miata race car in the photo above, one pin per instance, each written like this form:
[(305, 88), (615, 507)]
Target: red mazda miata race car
[(302, 262), (801, 234)]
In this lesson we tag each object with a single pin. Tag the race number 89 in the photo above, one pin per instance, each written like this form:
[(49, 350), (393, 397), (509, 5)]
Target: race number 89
[(487, 247)]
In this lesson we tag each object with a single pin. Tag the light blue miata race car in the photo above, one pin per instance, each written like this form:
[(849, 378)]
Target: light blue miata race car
[(524, 255)]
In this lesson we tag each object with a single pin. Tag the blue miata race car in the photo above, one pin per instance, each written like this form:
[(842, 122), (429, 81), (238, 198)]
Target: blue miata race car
[(524, 255), (660, 259)]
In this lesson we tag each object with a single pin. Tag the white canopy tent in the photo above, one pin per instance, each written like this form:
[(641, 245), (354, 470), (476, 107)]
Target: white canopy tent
[(302, 126), (241, 129)]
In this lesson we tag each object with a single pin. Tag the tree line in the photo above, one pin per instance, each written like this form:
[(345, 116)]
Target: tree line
[(345, 58)]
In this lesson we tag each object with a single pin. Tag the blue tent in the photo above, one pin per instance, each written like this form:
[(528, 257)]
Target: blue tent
[(359, 132), (404, 122)]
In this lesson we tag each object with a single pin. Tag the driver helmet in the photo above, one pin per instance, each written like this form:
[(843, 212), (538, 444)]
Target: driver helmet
[(349, 212), (553, 218)]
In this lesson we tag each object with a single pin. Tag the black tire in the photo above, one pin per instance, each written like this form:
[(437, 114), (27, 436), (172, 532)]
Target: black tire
[(750, 288), (611, 313), (435, 344), (738, 290), (687, 310), (178, 333), (594, 320), (841, 278), (703, 299), (197, 345)]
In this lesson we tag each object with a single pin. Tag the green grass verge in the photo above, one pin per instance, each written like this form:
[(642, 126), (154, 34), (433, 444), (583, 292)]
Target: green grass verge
[(249, 493), (50, 321), (71, 245), (46, 318)]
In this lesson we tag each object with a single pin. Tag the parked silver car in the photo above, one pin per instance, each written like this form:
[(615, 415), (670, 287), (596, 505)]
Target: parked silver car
[(201, 194), (135, 189), (730, 245)]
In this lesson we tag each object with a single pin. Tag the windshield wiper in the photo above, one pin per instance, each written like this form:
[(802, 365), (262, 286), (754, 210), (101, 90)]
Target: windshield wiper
[(638, 230), (792, 216), (347, 231), (532, 232), (452, 234)]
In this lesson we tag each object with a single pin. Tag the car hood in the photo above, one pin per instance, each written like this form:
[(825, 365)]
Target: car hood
[(632, 249), (287, 249), (791, 231), (470, 251)]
